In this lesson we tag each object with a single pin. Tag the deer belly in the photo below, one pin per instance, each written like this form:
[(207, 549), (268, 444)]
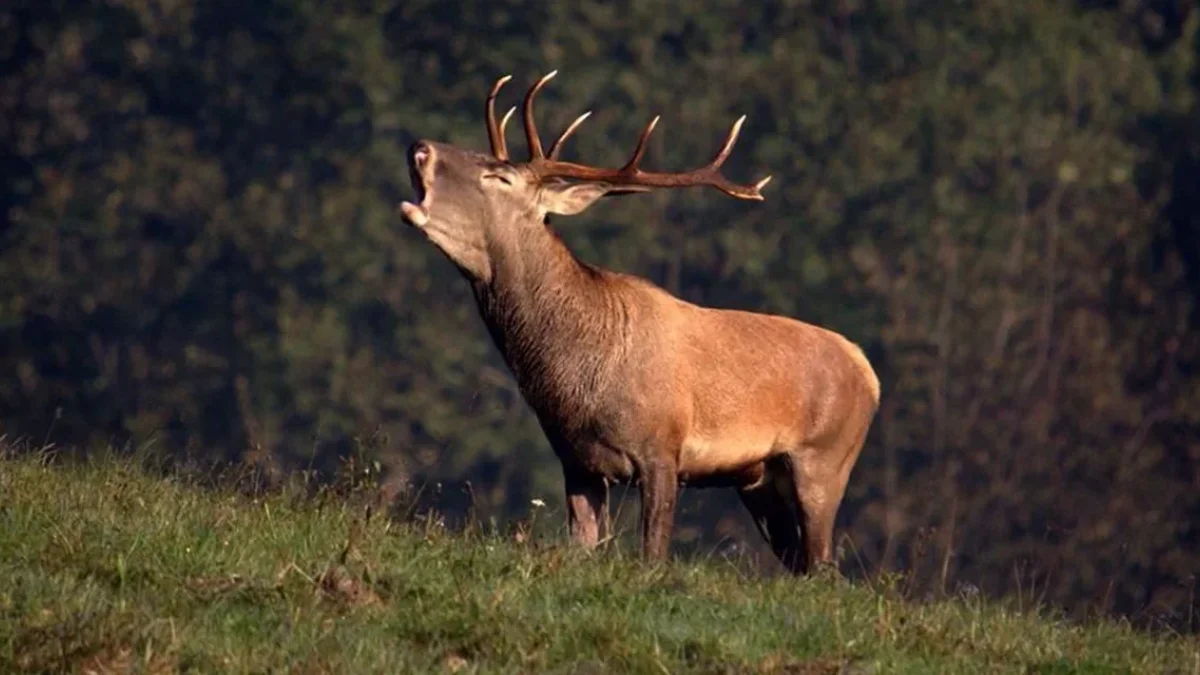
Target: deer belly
[(726, 453)]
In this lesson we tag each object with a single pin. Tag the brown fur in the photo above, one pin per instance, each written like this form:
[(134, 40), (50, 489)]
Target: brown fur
[(630, 383)]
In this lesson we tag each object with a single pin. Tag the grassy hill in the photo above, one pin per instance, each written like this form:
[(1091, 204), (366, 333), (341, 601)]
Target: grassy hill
[(110, 567)]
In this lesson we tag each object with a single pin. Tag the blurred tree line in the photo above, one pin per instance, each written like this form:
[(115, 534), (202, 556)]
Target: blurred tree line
[(1000, 199)]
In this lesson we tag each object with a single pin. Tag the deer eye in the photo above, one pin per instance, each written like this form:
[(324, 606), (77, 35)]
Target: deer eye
[(500, 177)]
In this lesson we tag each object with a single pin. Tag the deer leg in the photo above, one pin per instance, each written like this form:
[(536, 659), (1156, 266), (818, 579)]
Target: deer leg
[(659, 488), (774, 513), (819, 491), (818, 528), (587, 507)]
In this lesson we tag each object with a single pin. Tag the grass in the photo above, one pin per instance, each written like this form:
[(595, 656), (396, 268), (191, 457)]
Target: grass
[(109, 567)]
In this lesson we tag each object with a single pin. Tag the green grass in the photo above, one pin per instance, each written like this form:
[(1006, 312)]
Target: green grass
[(106, 567)]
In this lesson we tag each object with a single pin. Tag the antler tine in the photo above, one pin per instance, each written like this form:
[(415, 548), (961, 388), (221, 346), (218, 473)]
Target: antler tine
[(631, 166), (556, 147), (531, 133), (504, 122), (720, 182), (496, 133), (729, 142)]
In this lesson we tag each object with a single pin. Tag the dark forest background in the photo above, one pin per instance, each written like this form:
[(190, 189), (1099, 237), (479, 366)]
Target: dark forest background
[(1000, 200)]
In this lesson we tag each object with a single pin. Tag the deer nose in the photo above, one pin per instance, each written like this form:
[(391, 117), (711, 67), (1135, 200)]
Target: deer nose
[(421, 156)]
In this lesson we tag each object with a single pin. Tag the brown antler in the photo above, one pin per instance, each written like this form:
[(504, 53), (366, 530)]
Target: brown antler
[(629, 175), (496, 133)]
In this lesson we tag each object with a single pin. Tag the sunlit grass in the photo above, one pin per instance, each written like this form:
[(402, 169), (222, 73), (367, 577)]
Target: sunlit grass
[(111, 567)]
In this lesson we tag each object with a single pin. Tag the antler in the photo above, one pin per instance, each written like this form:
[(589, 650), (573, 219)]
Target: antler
[(496, 133), (630, 174)]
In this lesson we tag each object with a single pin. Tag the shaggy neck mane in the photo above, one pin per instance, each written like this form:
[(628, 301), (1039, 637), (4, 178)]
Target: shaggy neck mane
[(555, 319)]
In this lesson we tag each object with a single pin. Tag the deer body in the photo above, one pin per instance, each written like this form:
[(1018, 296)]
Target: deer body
[(630, 383)]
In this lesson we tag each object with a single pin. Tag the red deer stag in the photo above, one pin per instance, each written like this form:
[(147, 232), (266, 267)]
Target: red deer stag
[(630, 383)]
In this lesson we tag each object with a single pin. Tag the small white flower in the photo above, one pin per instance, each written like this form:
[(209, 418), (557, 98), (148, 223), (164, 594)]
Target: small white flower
[(537, 503)]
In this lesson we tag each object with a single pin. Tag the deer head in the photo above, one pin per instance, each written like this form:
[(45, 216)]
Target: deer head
[(468, 200)]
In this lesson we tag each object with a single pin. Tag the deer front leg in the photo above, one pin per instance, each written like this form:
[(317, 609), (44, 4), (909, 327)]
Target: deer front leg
[(659, 487), (587, 507)]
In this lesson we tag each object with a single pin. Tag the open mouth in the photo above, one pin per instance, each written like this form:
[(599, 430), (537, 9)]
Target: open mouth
[(416, 214)]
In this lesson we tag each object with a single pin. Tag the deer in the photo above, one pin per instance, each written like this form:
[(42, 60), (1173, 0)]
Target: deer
[(633, 385)]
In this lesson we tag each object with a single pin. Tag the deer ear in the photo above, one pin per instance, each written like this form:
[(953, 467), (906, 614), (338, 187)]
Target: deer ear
[(568, 199)]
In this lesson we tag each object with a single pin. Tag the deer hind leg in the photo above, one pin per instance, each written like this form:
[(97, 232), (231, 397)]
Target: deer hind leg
[(820, 479), (774, 514)]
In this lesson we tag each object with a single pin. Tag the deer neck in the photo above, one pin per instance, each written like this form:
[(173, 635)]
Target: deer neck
[(554, 318)]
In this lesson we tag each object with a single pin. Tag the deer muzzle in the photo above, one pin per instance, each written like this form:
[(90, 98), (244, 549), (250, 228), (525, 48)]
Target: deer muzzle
[(420, 167), (414, 213)]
